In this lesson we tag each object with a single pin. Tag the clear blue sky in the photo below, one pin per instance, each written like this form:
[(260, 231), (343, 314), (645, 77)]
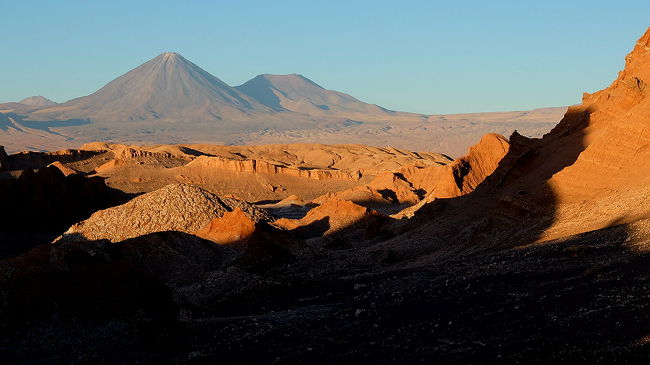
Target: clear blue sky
[(420, 56)]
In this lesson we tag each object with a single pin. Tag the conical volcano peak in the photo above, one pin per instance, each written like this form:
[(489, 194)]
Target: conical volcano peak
[(171, 56), (166, 87)]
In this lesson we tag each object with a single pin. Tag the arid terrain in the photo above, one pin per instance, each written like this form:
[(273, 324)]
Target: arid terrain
[(170, 100), (521, 250)]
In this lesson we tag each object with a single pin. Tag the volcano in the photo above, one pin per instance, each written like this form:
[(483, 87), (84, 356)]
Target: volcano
[(299, 94), (168, 87)]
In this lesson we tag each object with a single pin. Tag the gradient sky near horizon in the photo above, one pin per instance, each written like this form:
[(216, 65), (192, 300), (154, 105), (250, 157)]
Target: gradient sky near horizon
[(420, 56)]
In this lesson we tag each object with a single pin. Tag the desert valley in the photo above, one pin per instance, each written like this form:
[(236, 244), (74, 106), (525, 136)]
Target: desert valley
[(171, 218)]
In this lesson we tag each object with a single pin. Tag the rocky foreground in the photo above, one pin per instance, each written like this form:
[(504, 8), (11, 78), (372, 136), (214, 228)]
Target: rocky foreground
[(526, 250)]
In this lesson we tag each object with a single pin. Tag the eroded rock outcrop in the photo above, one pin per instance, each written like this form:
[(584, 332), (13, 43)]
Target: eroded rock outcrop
[(333, 216), (256, 173), (64, 169), (481, 161), (612, 127), (229, 229), (203, 163), (130, 152), (463, 176), (178, 207), (410, 187), (108, 165), (387, 192)]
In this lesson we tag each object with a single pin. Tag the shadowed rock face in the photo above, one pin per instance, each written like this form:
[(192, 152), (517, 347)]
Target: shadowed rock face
[(46, 200), (4, 163), (39, 205), (36, 160)]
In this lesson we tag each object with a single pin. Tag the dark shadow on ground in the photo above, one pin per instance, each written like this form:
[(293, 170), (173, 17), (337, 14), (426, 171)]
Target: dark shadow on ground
[(582, 298)]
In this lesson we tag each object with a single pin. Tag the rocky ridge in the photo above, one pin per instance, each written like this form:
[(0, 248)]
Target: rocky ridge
[(179, 207), (587, 174), (410, 187), (257, 166)]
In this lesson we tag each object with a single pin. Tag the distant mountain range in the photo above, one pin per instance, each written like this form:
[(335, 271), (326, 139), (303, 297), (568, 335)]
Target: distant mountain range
[(171, 100), (171, 88)]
